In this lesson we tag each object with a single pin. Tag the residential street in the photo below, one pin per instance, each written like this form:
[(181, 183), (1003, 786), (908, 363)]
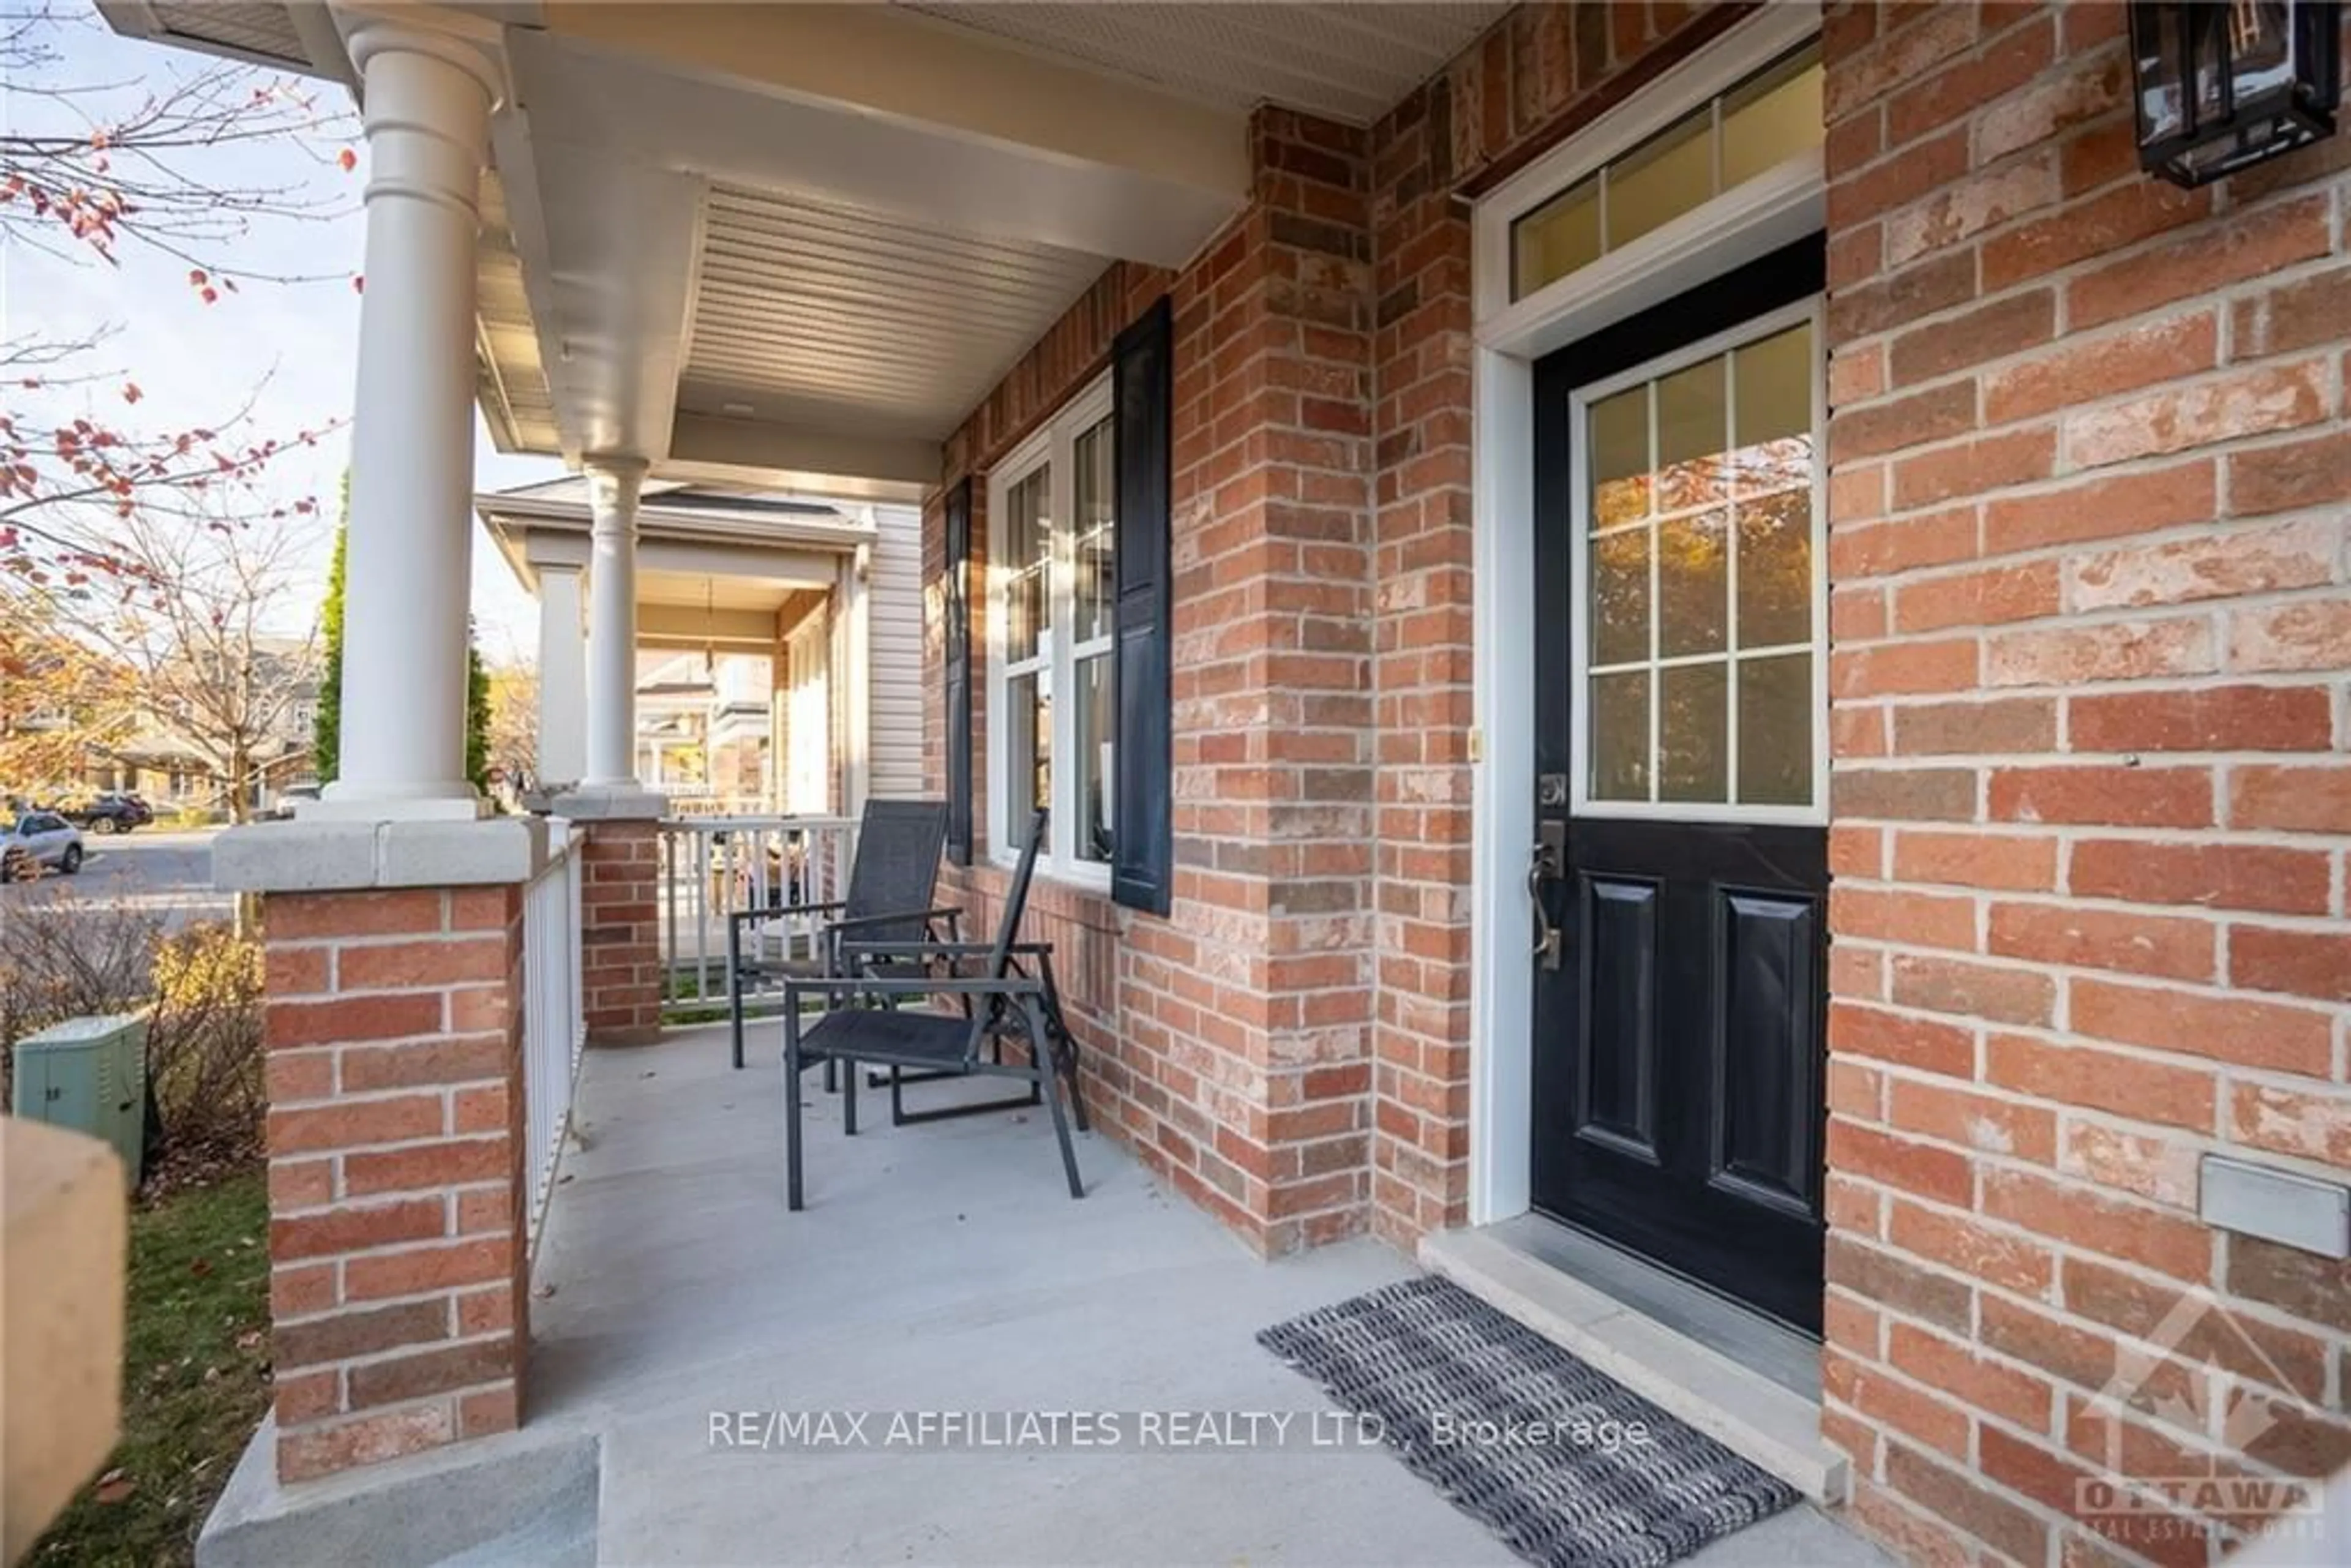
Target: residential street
[(166, 868)]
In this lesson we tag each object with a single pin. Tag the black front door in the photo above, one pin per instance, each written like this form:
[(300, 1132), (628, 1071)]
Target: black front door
[(1680, 708)]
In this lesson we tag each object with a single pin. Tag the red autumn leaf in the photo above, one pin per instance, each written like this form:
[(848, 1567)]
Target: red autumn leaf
[(130, 392), (359, 283), (348, 159)]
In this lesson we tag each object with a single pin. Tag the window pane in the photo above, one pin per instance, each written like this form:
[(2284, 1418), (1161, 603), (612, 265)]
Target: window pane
[(1693, 576), (1620, 737), (1693, 436), (1031, 778), (1775, 569), (1620, 597), (1775, 730), (1028, 558), (1773, 116), (1093, 763), (1620, 457), (1557, 237), (1774, 380), (1693, 733), (1660, 180), (1092, 550)]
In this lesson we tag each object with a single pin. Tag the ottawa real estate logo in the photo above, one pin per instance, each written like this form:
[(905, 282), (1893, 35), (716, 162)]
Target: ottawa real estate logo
[(2197, 1430)]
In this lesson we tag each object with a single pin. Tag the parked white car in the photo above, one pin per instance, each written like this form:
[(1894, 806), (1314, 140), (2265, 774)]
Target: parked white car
[(32, 841)]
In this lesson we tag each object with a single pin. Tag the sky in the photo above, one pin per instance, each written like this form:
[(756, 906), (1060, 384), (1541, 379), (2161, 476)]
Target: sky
[(296, 342)]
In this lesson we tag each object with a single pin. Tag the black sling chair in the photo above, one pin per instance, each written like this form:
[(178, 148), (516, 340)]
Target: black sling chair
[(889, 898), (1003, 998)]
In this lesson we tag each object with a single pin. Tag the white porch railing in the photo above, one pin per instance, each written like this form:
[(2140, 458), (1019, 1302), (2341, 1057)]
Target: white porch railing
[(555, 1013), (712, 866), (689, 803)]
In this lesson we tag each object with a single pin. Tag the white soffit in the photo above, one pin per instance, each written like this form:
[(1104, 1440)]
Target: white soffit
[(815, 314), (1348, 62), (300, 37), (513, 389), (263, 30)]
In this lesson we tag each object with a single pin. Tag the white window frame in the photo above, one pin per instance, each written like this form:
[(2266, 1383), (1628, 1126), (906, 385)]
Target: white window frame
[(1580, 646), (1054, 442), (1773, 209)]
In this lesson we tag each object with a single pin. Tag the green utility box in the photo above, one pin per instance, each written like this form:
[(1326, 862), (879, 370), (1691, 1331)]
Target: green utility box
[(89, 1074)]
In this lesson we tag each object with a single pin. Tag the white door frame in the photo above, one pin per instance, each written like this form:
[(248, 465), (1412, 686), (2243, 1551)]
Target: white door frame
[(1773, 209)]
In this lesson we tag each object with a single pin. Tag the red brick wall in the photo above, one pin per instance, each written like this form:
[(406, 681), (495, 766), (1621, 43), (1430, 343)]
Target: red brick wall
[(2091, 805), (1229, 1041), (1421, 670), (394, 1028), (1539, 74), (619, 936)]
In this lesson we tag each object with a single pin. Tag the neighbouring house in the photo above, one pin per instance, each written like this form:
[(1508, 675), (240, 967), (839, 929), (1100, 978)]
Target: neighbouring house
[(705, 729), (1666, 642), (759, 617), (160, 758)]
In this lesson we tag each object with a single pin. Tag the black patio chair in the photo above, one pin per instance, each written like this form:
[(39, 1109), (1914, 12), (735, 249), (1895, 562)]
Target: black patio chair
[(1012, 995), (892, 883)]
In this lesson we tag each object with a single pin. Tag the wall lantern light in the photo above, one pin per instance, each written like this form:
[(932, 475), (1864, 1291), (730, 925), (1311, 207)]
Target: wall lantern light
[(2224, 84)]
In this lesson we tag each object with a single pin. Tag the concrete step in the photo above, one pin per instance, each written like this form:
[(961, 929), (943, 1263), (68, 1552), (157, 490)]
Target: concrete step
[(1672, 1353), (515, 1498)]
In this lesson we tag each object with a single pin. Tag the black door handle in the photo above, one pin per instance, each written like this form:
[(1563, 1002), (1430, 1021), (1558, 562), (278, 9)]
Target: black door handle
[(1542, 870)]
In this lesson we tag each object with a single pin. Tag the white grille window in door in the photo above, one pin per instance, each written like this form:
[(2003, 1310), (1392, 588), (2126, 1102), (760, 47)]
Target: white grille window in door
[(1700, 667)]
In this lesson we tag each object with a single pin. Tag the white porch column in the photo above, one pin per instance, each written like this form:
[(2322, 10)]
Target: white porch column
[(563, 677), (428, 98), (614, 484)]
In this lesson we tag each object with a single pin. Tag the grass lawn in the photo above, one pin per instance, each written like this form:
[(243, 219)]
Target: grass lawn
[(195, 1377)]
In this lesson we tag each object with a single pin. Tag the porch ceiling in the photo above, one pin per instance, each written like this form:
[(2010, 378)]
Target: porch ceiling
[(730, 592), (787, 246), (814, 313), (1347, 62)]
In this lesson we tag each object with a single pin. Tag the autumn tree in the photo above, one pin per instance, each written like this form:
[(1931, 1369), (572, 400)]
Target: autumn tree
[(514, 718), (64, 705)]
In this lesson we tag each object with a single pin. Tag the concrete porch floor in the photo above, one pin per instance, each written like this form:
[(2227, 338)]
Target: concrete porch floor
[(941, 1267), (936, 1268)]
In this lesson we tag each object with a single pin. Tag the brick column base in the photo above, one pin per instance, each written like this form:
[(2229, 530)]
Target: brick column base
[(619, 937), (397, 1170)]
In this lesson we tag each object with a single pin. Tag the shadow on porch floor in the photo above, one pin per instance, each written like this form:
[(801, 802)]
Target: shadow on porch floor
[(939, 1268)]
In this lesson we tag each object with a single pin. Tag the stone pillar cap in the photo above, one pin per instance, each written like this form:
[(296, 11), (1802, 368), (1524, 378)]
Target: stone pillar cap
[(329, 856)]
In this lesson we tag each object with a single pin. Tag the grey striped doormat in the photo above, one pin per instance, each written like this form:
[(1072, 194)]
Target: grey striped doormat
[(1565, 1465)]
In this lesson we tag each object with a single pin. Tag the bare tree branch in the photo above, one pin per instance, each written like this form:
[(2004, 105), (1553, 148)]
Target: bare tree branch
[(197, 645), (88, 171), (96, 168)]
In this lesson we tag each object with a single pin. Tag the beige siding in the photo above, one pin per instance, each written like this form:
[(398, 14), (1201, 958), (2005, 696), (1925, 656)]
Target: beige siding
[(895, 634)]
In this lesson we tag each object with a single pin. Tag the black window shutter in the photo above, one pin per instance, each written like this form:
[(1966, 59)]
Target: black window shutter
[(958, 672), (1143, 826)]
